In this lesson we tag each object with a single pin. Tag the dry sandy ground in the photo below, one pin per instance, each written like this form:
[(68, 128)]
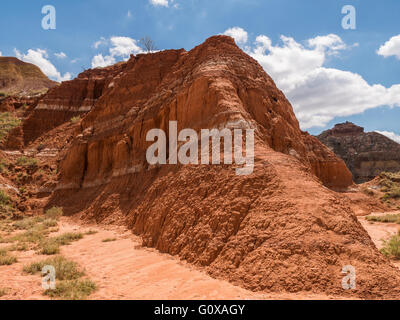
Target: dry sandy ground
[(123, 269), (381, 231)]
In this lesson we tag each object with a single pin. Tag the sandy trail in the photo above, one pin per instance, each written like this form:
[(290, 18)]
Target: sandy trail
[(123, 269), (379, 231)]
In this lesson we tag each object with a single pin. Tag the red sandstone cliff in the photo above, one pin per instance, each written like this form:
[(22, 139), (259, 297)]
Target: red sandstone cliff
[(276, 229), (70, 99)]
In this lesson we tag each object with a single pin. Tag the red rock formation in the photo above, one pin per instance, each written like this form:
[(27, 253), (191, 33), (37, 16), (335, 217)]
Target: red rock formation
[(277, 229), (71, 98), (366, 154)]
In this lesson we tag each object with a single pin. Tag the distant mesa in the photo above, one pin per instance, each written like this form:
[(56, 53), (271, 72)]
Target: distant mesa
[(366, 154), (21, 78)]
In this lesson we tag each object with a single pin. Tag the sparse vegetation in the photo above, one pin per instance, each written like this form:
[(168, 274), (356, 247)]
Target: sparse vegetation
[(109, 240), (72, 289), (392, 247), (90, 232), (69, 285), (3, 166), (388, 218), (3, 292), (6, 258), (54, 212), (148, 44), (7, 122), (76, 119), (52, 245), (390, 185), (6, 205), (27, 162), (65, 269)]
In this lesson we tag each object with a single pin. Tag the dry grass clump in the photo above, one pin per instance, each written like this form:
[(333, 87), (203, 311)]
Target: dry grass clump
[(388, 218), (392, 247), (69, 284)]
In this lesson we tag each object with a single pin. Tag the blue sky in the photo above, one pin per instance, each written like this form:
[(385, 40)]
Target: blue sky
[(187, 23)]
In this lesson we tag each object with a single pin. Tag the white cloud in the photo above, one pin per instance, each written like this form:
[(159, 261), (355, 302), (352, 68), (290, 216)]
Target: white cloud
[(101, 61), (129, 14), (0, 54), (319, 94), (238, 34), (391, 48), (39, 58), (60, 55), (121, 47), (162, 3), (390, 135), (102, 41)]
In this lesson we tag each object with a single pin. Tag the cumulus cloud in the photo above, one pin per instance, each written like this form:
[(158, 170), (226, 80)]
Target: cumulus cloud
[(0, 54), (390, 135), (101, 61), (391, 48), (318, 94), (39, 58), (60, 55), (238, 34), (162, 3), (121, 48)]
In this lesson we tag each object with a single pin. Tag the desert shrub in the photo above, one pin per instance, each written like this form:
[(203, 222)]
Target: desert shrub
[(27, 162), (392, 247), (109, 240), (72, 289), (7, 122), (54, 212), (6, 258), (75, 119), (52, 245), (65, 269), (4, 198), (3, 166), (27, 223)]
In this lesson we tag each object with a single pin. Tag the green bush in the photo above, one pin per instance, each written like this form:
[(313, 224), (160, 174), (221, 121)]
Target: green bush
[(27, 162)]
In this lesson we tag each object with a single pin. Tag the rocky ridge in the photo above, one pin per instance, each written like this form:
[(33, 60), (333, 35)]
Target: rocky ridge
[(366, 154)]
